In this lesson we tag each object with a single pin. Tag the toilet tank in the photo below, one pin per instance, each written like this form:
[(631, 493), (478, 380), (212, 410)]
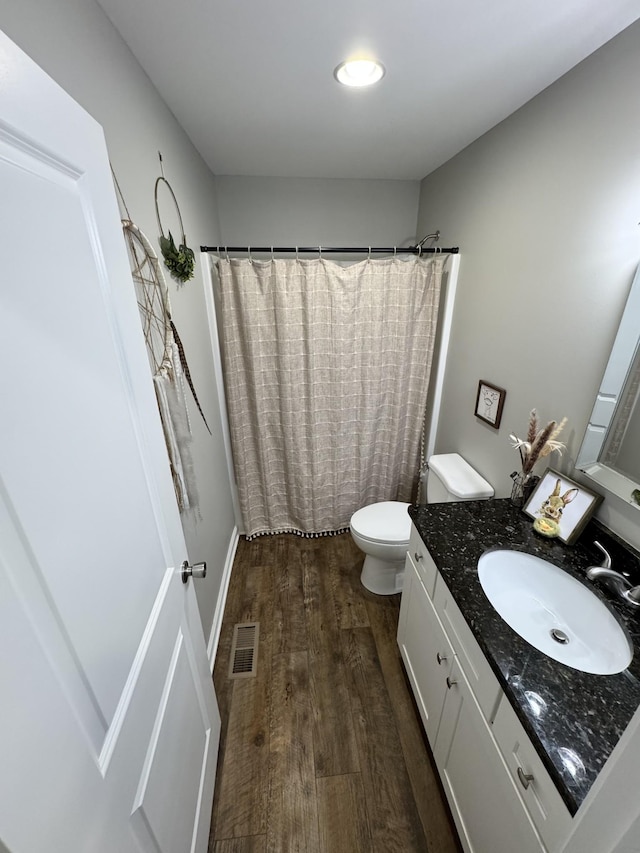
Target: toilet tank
[(451, 478)]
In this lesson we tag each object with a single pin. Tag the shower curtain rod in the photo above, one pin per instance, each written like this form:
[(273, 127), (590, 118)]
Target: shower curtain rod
[(418, 249), (346, 250)]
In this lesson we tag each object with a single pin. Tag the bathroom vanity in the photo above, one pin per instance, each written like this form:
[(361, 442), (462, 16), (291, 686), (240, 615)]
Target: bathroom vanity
[(517, 737)]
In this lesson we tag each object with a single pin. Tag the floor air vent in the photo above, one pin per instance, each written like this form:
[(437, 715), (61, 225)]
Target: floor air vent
[(244, 650)]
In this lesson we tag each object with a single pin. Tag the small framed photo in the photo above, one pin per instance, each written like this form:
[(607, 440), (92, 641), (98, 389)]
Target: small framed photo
[(560, 506), (489, 403)]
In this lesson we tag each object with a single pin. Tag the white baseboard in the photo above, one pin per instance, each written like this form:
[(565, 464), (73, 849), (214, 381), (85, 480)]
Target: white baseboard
[(216, 627)]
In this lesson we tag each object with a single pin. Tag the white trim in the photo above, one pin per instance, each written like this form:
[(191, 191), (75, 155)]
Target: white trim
[(443, 349), (219, 380), (216, 626)]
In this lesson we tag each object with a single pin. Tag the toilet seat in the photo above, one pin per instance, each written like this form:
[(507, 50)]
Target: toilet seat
[(386, 521)]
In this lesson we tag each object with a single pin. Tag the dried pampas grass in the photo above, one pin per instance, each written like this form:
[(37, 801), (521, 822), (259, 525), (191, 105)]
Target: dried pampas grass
[(540, 442)]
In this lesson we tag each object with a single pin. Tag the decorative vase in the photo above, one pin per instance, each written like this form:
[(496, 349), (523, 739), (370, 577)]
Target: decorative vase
[(523, 486)]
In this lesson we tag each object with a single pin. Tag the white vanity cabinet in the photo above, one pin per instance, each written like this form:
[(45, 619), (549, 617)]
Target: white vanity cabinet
[(501, 796)]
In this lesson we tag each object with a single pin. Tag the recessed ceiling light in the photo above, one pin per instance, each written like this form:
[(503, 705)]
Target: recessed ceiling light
[(359, 72)]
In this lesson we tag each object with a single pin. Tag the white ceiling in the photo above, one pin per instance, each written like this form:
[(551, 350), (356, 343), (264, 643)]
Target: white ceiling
[(251, 81)]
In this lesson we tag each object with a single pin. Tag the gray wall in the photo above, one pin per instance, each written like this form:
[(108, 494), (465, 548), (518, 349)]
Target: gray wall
[(311, 211), (76, 44), (545, 208)]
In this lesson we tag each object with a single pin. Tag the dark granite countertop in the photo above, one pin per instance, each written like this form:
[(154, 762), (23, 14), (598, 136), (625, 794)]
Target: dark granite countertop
[(574, 719)]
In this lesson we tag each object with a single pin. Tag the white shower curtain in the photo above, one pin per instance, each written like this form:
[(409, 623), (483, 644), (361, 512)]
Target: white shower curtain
[(326, 371)]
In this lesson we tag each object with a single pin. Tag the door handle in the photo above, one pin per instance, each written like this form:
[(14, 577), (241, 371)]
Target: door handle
[(197, 570)]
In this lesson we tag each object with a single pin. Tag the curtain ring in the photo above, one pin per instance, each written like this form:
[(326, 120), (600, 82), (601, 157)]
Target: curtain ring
[(319, 253), (420, 250), (272, 254), (226, 252), (297, 258), (250, 258), (369, 252), (395, 251)]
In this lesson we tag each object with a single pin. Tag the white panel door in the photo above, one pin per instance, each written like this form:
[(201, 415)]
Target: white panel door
[(108, 721)]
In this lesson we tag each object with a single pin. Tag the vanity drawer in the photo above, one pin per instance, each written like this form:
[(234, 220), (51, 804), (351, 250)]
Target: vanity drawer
[(422, 561), (479, 674), (544, 804)]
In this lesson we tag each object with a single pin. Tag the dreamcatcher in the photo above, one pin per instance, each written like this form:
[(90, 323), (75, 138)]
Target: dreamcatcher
[(166, 358)]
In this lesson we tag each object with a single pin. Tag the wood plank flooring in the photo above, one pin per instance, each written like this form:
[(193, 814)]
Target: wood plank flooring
[(322, 751)]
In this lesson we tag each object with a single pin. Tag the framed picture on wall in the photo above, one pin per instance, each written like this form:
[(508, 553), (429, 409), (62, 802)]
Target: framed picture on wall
[(560, 506), (489, 403)]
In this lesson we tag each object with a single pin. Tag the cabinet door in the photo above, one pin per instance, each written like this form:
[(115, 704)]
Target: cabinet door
[(425, 649), (476, 668), (538, 792), (486, 806)]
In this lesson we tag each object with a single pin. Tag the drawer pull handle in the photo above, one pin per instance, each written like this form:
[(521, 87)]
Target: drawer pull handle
[(451, 682), (440, 658), (417, 557), (525, 778)]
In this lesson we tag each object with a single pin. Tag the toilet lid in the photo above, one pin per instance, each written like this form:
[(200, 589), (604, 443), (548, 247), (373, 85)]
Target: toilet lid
[(459, 478), (387, 521)]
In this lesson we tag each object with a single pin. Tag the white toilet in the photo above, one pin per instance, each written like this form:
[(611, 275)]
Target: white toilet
[(382, 529)]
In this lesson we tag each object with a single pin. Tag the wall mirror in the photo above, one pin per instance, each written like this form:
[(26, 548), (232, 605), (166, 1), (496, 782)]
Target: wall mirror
[(610, 452)]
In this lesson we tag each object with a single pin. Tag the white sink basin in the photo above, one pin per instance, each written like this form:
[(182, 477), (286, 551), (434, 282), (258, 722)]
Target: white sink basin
[(554, 612)]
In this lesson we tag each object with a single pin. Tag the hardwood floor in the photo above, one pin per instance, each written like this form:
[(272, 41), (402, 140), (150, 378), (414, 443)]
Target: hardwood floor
[(322, 751)]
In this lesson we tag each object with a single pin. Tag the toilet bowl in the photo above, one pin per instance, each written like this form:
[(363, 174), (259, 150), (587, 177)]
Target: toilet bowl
[(381, 530)]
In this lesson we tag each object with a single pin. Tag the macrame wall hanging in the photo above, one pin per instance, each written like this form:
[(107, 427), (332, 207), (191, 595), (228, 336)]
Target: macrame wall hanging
[(179, 261), (166, 357)]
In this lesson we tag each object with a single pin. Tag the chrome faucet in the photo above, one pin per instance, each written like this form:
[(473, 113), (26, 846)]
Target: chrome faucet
[(613, 579)]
